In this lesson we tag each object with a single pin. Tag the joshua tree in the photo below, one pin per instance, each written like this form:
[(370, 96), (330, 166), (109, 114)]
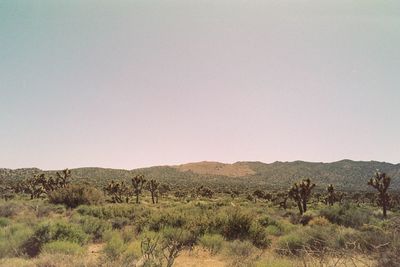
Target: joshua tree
[(163, 189), (204, 192), (119, 192), (283, 202), (63, 178), (331, 196), (138, 182), (381, 182), (300, 193), (152, 186), (6, 192), (34, 186), (258, 194)]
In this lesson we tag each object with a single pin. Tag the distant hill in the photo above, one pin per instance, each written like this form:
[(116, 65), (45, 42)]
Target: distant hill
[(345, 174)]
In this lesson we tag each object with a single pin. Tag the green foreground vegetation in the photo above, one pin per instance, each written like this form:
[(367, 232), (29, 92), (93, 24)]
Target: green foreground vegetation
[(46, 221)]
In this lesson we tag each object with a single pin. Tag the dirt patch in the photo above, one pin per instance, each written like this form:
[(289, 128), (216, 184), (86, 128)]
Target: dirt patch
[(198, 258), (95, 251)]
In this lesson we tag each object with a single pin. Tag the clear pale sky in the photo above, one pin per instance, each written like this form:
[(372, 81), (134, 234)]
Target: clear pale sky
[(128, 84)]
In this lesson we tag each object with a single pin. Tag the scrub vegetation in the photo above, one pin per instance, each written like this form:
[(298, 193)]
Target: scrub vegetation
[(58, 221)]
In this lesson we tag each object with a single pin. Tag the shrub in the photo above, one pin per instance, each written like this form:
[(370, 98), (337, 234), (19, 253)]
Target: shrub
[(110, 211), (273, 230), (10, 209), (240, 251), (4, 222), (266, 221), (181, 236), (372, 237), (62, 247), (346, 215), (94, 226), (115, 245), (131, 253), (313, 239), (158, 221), (212, 242), (119, 222), (237, 225), (54, 231), (12, 238), (74, 195), (319, 221), (290, 244), (258, 236)]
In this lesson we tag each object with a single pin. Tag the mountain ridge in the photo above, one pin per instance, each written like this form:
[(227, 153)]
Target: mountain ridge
[(345, 174)]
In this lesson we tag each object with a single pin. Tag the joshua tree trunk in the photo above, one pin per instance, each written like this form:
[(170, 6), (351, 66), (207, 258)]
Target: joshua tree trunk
[(137, 198), (304, 205), (384, 207), (300, 207)]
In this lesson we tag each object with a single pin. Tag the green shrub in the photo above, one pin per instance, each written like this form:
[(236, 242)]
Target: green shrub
[(94, 226), (131, 253), (115, 245), (110, 211), (371, 237), (265, 221), (258, 236), (12, 239), (237, 225), (313, 239), (179, 235), (74, 195), (10, 209), (62, 247), (273, 230), (54, 231), (212, 242), (290, 244), (4, 222), (240, 249), (347, 215), (119, 222), (158, 221)]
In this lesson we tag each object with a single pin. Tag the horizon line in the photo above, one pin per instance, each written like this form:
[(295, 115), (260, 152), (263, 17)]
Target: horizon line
[(203, 161)]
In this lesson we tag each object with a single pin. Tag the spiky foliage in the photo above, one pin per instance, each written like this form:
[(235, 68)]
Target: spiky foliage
[(119, 192), (301, 193), (40, 185), (35, 186), (163, 189), (381, 183), (258, 194), (138, 182), (204, 191), (331, 195), (6, 192), (63, 178), (153, 186)]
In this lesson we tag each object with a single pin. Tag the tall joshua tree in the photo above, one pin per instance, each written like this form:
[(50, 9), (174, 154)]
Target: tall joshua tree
[(381, 182), (138, 182), (152, 186), (301, 193), (63, 178), (331, 196)]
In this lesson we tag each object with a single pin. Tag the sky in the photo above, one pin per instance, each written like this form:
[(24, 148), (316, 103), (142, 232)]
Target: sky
[(128, 84)]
